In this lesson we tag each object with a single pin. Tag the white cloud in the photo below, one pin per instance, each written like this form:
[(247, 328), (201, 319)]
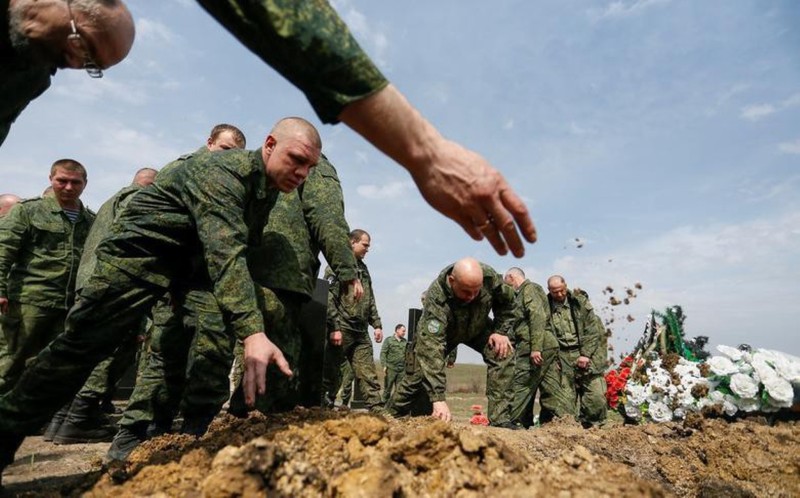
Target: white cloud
[(792, 101), (392, 190), (792, 147), (78, 87), (620, 9), (758, 111), (152, 31)]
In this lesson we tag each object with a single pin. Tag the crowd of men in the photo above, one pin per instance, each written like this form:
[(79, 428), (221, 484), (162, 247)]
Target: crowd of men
[(192, 249), (198, 259)]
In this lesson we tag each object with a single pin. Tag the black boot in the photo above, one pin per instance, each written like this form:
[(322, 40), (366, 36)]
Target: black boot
[(107, 406), (196, 425), (9, 444), (55, 423), (125, 441), (85, 423)]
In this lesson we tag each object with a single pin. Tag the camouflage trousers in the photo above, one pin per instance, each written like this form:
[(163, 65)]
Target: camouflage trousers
[(186, 364), (499, 374), (282, 317), (348, 382), (391, 380), (356, 349), (108, 307), (27, 329), (580, 393), (102, 382), (528, 378)]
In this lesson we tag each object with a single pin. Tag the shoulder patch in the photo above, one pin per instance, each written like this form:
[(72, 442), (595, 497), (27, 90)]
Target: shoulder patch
[(434, 326)]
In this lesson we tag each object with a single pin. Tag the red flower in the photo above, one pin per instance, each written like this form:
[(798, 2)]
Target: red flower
[(479, 419)]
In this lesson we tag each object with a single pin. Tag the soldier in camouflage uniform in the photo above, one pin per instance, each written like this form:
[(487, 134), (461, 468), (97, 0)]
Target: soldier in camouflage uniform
[(301, 225), (536, 350), (83, 420), (582, 355), (179, 320), (393, 360), (41, 241), (456, 311), (348, 322), (211, 208)]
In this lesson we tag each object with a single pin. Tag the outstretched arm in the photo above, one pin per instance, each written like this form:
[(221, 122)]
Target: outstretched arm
[(456, 181)]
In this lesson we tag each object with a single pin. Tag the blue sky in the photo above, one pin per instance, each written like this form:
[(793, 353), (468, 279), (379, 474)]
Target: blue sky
[(664, 135)]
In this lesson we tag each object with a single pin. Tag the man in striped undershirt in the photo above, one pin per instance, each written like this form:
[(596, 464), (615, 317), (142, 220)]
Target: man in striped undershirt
[(41, 242)]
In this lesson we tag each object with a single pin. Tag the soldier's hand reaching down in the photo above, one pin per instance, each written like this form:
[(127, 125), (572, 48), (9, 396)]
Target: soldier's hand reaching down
[(441, 411), (456, 181), (501, 345), (259, 352)]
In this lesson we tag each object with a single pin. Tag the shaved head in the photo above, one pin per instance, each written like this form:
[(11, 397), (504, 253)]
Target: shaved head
[(294, 127), (557, 287), (466, 279), (7, 201), (145, 177), (514, 277), (291, 149)]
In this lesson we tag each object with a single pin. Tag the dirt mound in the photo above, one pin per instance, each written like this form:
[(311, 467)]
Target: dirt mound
[(330, 453)]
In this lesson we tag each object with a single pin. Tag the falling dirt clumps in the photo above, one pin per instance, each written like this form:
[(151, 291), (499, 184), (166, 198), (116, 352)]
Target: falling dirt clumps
[(329, 453)]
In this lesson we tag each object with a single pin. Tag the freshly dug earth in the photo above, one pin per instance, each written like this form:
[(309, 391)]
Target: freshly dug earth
[(331, 453)]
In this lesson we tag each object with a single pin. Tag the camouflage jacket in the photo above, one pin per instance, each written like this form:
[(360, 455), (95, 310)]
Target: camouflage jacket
[(40, 249), (576, 326), (101, 227), (210, 208), (393, 352), (307, 42), (446, 322), (530, 332), (344, 312), (21, 79), (303, 223)]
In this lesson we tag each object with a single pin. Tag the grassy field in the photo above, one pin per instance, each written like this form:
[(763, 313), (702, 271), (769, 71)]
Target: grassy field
[(466, 386)]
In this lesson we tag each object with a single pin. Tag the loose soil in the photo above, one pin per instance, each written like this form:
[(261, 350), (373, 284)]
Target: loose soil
[(341, 453)]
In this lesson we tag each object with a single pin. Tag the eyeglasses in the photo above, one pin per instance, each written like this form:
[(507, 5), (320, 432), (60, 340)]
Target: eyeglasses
[(78, 43)]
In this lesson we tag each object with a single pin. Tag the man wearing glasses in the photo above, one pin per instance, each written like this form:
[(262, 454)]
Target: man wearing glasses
[(46, 35), (308, 44)]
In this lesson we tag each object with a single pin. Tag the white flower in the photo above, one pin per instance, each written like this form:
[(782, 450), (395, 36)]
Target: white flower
[(633, 411), (786, 365), (780, 391), (636, 395), (722, 366), (744, 386), (659, 412), (729, 405), (732, 353), (748, 404)]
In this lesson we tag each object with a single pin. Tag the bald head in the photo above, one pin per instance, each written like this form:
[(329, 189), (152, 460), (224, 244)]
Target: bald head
[(557, 287), (294, 127), (514, 277), (466, 279), (7, 201), (291, 149), (144, 177), (38, 30)]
